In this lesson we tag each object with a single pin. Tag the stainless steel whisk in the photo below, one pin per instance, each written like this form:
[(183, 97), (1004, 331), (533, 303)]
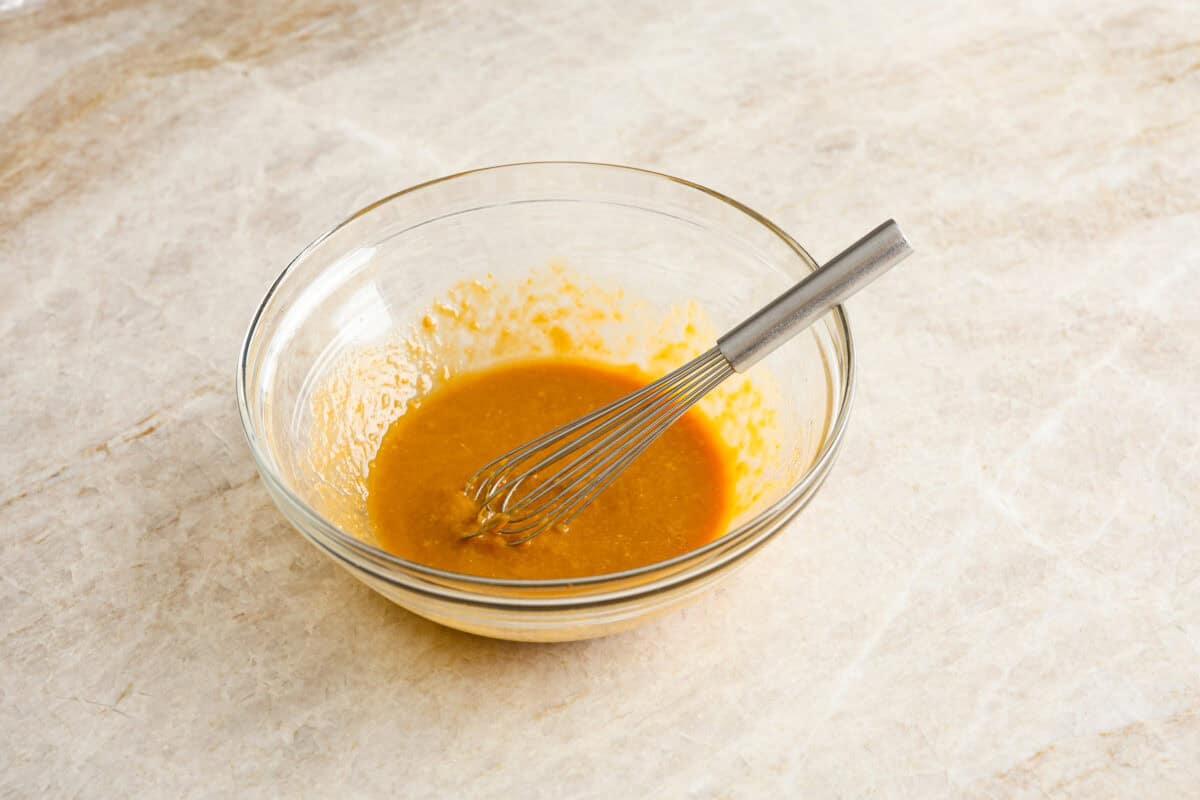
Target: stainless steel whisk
[(588, 454)]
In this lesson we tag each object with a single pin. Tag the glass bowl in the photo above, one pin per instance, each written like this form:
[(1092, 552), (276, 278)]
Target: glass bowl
[(656, 236)]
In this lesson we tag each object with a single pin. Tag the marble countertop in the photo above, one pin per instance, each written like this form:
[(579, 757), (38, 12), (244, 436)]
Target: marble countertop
[(997, 594)]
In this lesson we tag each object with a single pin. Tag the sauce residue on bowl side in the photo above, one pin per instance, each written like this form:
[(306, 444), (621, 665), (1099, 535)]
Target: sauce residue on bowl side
[(366, 403)]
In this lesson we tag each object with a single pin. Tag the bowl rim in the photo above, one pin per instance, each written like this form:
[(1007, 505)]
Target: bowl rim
[(781, 511)]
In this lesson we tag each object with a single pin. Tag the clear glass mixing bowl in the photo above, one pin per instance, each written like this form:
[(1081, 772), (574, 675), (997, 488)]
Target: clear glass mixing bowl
[(660, 237)]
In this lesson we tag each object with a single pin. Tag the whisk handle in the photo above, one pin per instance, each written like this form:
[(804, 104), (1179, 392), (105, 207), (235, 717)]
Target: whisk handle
[(804, 303)]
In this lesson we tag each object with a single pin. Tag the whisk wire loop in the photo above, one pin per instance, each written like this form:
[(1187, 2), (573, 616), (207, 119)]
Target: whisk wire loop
[(596, 448)]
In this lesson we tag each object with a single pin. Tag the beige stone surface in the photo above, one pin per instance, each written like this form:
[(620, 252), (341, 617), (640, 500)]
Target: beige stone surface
[(996, 595)]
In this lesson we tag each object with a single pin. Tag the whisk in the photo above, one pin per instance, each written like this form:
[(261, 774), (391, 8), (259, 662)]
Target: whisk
[(548, 481)]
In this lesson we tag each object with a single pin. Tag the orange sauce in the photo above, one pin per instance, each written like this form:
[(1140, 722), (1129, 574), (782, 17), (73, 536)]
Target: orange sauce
[(675, 497)]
